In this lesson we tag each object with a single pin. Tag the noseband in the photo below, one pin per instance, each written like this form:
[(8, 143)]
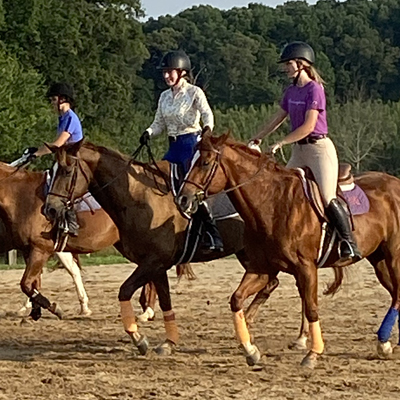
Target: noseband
[(203, 194)]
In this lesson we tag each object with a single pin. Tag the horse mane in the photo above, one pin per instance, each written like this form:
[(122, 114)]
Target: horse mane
[(266, 159), (106, 151)]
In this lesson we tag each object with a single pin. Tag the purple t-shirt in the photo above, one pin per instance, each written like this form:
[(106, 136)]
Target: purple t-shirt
[(298, 100)]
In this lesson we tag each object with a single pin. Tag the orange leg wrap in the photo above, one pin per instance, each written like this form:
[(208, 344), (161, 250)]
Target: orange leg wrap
[(239, 322), (128, 316), (171, 329), (317, 343)]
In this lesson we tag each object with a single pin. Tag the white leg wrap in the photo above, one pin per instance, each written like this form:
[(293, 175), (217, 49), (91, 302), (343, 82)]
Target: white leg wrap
[(384, 349), (148, 314)]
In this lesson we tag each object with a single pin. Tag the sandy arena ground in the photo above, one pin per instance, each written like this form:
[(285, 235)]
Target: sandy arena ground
[(92, 358)]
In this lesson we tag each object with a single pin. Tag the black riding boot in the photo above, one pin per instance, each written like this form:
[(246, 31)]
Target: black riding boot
[(339, 218), (213, 240), (72, 222)]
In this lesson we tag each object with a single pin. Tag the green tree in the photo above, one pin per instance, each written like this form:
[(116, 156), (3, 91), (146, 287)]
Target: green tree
[(362, 131), (25, 116), (97, 46)]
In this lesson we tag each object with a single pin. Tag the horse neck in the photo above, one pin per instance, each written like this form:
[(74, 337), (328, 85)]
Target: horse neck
[(137, 206), (116, 184)]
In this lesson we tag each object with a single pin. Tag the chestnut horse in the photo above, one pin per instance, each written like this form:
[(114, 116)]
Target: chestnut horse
[(25, 228), (151, 229), (282, 232)]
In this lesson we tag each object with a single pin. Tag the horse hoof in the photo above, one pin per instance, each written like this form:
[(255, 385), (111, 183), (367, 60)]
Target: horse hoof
[(310, 360), (85, 312), (253, 355), (56, 310), (26, 321), (141, 342), (384, 350), (165, 348), (298, 344)]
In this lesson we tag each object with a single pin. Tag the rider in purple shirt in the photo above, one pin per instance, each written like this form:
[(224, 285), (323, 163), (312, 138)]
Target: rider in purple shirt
[(305, 104), (298, 100)]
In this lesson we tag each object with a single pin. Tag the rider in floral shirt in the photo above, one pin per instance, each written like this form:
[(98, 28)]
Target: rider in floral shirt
[(180, 110)]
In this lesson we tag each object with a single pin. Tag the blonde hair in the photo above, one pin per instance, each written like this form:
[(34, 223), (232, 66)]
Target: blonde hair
[(310, 71)]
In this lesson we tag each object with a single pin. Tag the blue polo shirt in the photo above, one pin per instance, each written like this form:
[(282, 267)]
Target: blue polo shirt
[(70, 123)]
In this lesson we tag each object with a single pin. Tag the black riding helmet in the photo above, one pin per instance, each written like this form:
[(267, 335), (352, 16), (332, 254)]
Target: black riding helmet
[(61, 89), (176, 60), (297, 50)]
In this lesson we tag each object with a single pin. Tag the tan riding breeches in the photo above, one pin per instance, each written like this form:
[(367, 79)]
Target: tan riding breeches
[(321, 157)]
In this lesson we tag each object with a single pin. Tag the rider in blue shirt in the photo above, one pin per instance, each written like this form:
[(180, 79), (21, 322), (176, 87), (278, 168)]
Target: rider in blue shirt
[(61, 96), (69, 130)]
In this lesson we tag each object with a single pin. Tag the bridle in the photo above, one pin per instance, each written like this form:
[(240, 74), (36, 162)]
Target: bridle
[(68, 199)]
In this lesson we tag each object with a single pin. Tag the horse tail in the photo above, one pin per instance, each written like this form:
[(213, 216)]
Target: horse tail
[(185, 270), (334, 286), (77, 260)]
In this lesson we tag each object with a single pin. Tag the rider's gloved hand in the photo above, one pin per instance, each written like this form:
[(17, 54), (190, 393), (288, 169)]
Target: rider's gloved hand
[(254, 144), (145, 138), (29, 153), (206, 130)]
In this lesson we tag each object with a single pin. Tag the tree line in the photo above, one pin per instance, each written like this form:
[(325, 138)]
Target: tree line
[(110, 57)]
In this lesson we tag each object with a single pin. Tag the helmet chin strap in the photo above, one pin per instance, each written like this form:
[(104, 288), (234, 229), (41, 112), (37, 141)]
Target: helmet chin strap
[(180, 76), (59, 102)]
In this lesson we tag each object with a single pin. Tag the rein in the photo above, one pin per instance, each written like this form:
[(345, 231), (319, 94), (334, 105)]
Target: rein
[(22, 166), (133, 157), (70, 193), (217, 163), (77, 164)]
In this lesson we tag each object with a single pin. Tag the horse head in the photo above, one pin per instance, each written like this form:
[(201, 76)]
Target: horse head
[(70, 180), (206, 175)]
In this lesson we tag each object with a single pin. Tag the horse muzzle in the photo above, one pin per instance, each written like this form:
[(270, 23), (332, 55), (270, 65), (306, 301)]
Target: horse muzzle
[(49, 212), (186, 204)]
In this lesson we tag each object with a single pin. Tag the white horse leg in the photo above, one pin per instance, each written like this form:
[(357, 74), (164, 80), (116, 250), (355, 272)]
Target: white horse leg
[(67, 260)]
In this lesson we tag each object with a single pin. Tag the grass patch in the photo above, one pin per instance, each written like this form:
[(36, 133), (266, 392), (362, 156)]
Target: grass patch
[(86, 260), (6, 266)]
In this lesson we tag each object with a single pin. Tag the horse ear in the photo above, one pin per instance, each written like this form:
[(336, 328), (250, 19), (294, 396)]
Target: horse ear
[(222, 139), (73, 148), (51, 147), (206, 132)]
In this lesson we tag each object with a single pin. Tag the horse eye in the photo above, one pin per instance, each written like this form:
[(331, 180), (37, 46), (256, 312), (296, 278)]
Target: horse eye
[(206, 163)]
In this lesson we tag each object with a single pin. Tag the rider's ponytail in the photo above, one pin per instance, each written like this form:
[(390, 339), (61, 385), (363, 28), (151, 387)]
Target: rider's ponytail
[(310, 70)]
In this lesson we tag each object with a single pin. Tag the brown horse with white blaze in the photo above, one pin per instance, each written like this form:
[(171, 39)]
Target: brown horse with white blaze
[(151, 228), (282, 231), (25, 228)]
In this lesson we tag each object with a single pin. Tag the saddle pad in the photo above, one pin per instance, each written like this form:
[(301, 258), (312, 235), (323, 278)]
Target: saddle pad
[(86, 203), (221, 207), (357, 200)]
